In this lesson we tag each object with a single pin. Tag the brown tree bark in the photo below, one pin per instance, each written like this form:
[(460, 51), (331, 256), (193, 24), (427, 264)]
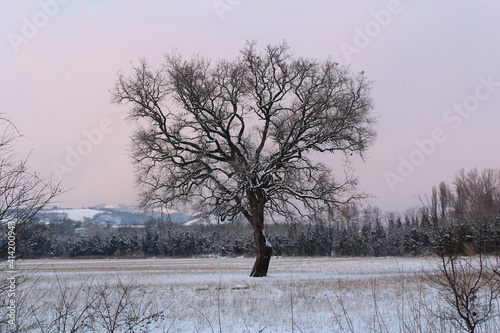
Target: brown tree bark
[(264, 252), (264, 248)]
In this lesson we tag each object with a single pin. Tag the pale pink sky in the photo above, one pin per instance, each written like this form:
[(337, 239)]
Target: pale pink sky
[(435, 65)]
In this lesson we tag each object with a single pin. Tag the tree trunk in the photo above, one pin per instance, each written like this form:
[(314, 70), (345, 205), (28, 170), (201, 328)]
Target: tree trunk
[(256, 219), (264, 251)]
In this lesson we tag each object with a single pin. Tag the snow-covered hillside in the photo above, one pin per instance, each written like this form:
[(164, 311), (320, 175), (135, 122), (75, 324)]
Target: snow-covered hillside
[(77, 214), (119, 215)]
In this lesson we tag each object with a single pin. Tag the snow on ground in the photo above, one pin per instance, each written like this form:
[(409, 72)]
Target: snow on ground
[(217, 295)]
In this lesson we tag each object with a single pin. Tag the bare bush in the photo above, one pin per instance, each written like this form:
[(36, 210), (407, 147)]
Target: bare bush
[(123, 308), (471, 289), (67, 313), (90, 307)]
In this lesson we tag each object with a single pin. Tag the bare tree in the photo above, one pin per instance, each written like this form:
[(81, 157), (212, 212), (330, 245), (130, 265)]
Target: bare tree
[(22, 192), (477, 204), (240, 137), (467, 214)]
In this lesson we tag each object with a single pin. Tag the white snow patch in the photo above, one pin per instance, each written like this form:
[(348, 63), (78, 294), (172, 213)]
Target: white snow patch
[(110, 206), (78, 214), (205, 220), (165, 210)]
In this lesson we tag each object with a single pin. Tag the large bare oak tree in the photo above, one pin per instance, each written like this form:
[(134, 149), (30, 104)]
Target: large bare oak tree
[(238, 137)]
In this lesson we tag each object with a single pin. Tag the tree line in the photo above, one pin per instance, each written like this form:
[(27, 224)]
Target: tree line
[(459, 218)]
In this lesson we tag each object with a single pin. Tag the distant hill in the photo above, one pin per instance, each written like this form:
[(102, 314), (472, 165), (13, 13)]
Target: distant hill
[(117, 215)]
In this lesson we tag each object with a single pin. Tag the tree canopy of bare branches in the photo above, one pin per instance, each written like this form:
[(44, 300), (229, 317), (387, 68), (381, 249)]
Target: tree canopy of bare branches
[(239, 137)]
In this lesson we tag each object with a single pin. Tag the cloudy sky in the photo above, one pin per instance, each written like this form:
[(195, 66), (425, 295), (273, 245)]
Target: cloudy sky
[(435, 65)]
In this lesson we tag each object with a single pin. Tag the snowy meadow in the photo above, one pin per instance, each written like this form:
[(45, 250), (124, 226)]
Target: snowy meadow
[(217, 295)]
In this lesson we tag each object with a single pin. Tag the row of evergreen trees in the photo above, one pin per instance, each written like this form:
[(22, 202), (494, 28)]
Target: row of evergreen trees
[(165, 239), (409, 235), (460, 218)]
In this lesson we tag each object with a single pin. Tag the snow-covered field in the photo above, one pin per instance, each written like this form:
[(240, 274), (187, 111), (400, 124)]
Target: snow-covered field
[(217, 295)]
